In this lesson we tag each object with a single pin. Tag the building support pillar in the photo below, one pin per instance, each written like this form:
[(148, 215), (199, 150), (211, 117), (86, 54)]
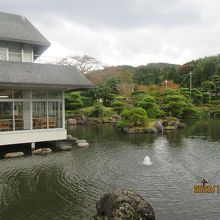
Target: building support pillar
[(32, 146)]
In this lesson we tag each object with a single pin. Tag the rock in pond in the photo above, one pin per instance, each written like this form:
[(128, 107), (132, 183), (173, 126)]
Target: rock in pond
[(65, 147), (81, 141), (83, 144), (123, 204), (159, 126), (14, 155), (72, 121), (71, 138), (42, 151)]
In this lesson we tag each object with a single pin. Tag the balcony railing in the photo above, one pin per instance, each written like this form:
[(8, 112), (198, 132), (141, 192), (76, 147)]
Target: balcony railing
[(22, 57)]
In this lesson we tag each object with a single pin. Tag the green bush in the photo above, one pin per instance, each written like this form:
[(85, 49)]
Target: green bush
[(134, 117), (196, 96), (120, 98), (206, 97), (215, 102), (73, 101), (98, 110), (176, 105), (118, 106), (148, 103), (185, 92)]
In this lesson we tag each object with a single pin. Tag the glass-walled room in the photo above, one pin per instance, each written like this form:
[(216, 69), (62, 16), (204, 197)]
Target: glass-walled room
[(30, 109)]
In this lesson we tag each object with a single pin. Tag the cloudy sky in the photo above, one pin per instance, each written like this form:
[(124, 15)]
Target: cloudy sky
[(132, 32)]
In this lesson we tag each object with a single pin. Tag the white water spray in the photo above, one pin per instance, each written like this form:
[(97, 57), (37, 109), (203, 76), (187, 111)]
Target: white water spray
[(147, 161)]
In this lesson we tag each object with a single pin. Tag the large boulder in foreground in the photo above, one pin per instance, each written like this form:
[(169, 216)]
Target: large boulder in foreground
[(123, 204)]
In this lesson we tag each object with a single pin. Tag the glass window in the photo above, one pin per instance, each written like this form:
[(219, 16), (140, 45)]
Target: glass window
[(3, 53), (22, 94), (5, 94), (54, 94), (39, 94), (22, 115), (55, 114), (6, 116), (39, 114), (14, 52)]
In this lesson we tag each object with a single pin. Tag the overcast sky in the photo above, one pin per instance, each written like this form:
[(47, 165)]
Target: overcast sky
[(132, 32)]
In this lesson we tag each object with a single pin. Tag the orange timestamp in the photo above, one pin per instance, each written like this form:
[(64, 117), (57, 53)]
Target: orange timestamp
[(206, 188)]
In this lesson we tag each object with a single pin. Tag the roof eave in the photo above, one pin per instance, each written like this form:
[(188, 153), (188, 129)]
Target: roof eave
[(52, 86)]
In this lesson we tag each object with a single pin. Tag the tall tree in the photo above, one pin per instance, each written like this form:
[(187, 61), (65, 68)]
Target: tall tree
[(83, 63)]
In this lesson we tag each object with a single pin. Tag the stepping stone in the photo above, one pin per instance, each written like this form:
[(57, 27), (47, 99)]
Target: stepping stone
[(42, 151), (84, 144), (14, 155)]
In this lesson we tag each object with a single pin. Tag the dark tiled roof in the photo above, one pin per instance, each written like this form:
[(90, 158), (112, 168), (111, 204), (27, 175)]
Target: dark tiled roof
[(41, 75), (18, 28)]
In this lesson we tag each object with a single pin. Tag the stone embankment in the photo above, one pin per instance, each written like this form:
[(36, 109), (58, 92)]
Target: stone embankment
[(81, 119), (158, 126)]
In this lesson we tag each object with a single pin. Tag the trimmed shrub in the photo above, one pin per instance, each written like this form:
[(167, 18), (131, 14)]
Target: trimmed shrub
[(134, 117), (118, 106), (206, 97), (98, 110)]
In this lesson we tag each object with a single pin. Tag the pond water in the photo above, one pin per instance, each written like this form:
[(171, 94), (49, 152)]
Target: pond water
[(66, 185)]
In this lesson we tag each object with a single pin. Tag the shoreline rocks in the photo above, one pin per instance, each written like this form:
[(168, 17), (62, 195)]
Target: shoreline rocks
[(159, 126), (81, 119)]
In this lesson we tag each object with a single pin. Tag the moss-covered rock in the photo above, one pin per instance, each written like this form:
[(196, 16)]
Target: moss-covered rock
[(123, 205), (170, 128)]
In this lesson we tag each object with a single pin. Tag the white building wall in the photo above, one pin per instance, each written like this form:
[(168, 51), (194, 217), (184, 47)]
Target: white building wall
[(20, 137), (27, 53)]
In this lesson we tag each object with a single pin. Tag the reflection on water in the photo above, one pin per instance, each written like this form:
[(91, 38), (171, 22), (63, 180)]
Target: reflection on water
[(66, 185)]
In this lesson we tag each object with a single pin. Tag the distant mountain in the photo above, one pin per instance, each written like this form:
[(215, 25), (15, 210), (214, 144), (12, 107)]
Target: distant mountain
[(203, 69), (161, 65), (124, 73)]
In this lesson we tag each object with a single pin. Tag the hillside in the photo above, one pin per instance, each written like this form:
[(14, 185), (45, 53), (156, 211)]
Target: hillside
[(203, 69)]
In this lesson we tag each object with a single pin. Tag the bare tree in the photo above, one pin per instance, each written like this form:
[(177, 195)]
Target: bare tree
[(83, 63)]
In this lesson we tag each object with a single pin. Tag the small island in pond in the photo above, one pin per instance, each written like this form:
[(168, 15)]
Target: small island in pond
[(136, 99)]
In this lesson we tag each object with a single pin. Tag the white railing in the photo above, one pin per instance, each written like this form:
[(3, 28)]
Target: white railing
[(48, 59), (22, 57)]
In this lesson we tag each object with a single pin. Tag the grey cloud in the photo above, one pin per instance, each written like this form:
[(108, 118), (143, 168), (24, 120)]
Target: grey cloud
[(119, 14), (130, 32)]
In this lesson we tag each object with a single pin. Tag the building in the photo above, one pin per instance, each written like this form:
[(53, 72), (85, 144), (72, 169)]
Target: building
[(32, 107)]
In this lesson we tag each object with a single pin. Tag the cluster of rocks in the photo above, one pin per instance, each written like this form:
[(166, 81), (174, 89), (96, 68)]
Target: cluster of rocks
[(123, 204), (81, 119), (80, 143), (39, 151), (172, 124), (159, 127)]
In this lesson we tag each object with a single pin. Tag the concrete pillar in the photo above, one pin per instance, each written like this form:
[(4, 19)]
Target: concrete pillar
[(33, 146)]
